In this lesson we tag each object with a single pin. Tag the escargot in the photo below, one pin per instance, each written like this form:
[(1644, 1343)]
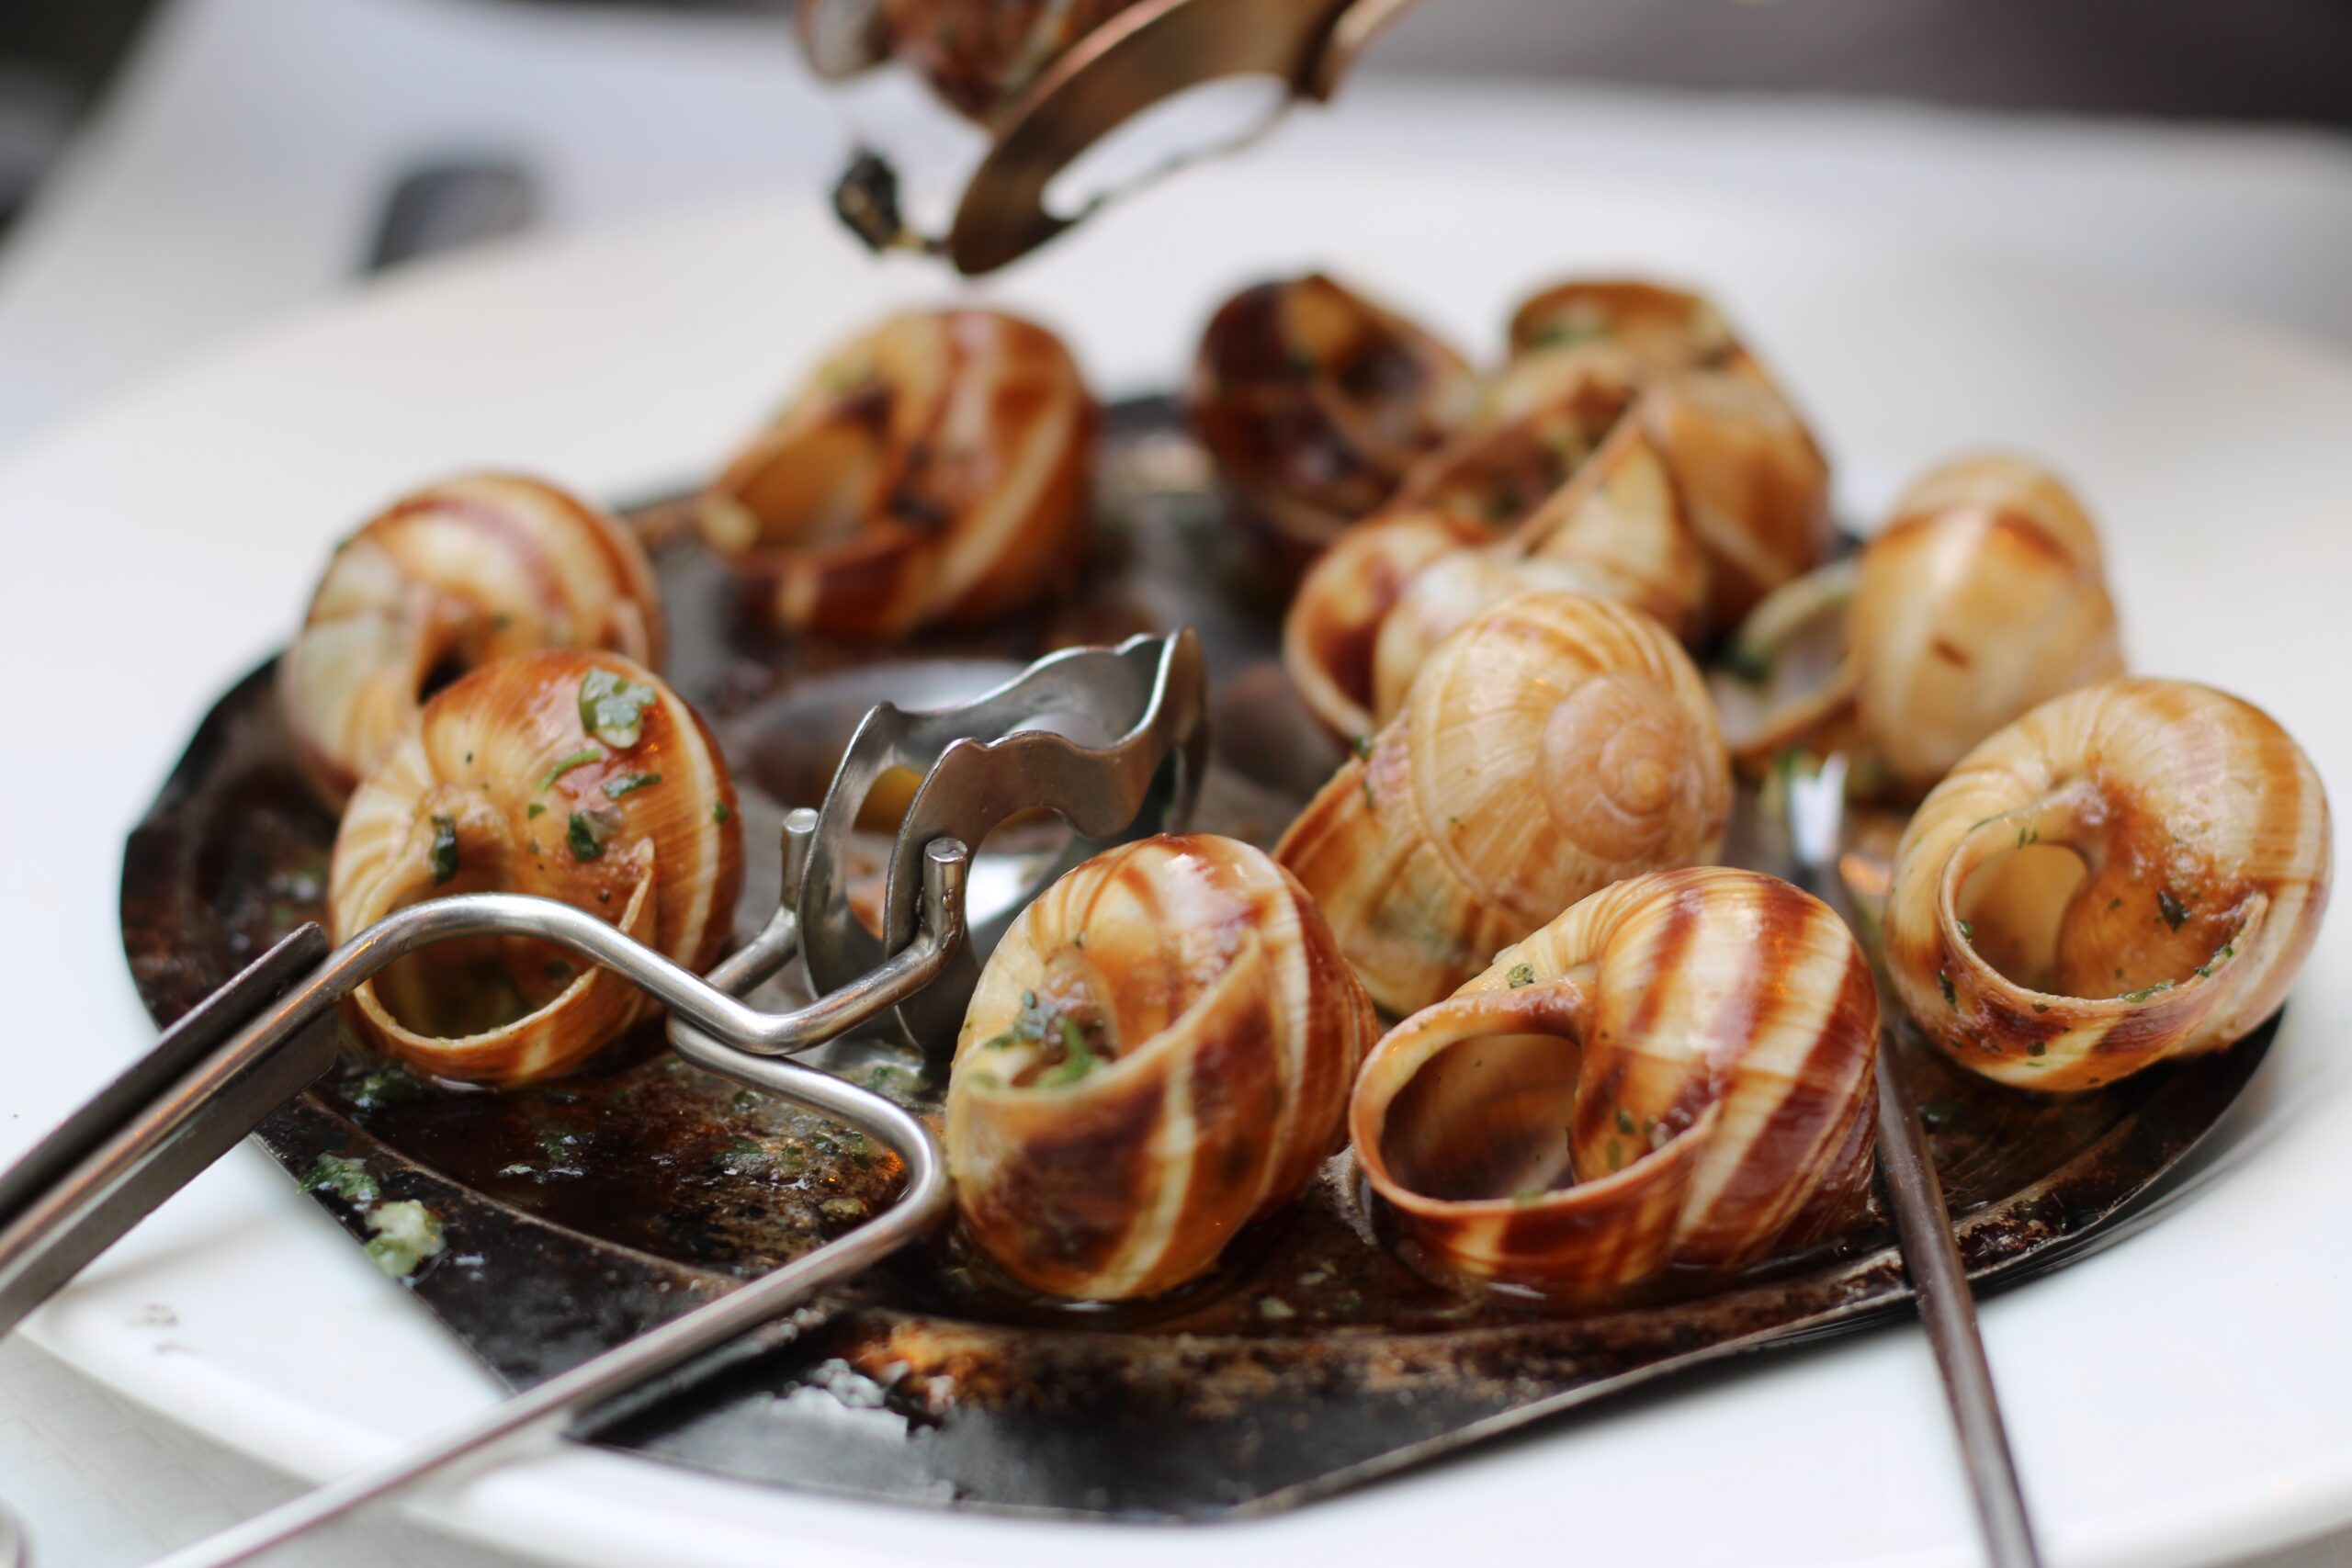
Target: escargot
[(936, 470), (571, 775), (1753, 479), (1158, 1052), (1556, 744), (443, 580), (1370, 610), (1706, 1038), (1313, 402), (2130, 872), (1983, 596)]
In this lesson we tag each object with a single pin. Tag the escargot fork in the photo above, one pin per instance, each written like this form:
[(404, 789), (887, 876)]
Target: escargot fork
[(1922, 1221)]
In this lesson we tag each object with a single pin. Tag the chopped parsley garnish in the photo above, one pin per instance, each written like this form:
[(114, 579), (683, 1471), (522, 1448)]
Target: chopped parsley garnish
[(2145, 992), (1077, 1059), (2034, 1047), (1527, 1195), (1520, 975), (1748, 664), (565, 765), (629, 783), (2029, 836), (1938, 1113), (718, 812), (1624, 1119), (346, 1178), (1616, 1153), (588, 834), (406, 1235), (1363, 745), (536, 808), (2205, 970), (443, 856), (1952, 997), (1967, 931), (612, 709), (2171, 908)]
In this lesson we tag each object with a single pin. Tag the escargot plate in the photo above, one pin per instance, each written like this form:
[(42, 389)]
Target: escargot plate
[(1309, 1358)]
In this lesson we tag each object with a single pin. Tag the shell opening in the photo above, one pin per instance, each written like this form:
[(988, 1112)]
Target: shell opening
[(475, 986), (1486, 1118), (2013, 909)]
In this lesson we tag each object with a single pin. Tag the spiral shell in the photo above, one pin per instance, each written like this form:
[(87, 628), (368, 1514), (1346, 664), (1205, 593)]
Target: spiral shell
[(1982, 597), (935, 471), (2130, 872), (576, 776), (1754, 480), (1370, 611), (1313, 402), (1706, 1037), (977, 58), (443, 580), (1158, 1052), (1556, 744)]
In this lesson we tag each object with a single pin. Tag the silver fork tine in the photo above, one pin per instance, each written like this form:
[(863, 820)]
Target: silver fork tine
[(1816, 808)]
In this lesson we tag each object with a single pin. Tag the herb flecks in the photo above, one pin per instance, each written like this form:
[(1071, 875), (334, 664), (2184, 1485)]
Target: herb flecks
[(1078, 1059), (1952, 997), (346, 1178), (2145, 992), (1748, 664), (590, 831), (629, 784), (407, 1233), (1520, 975), (565, 764), (719, 812), (611, 707), (443, 856)]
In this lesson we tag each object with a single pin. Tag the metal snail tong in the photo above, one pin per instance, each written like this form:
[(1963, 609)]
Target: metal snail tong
[(1113, 740)]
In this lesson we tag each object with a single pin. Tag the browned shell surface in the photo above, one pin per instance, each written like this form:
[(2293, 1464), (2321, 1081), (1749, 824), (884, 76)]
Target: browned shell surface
[(2132, 872), (935, 471), (1536, 424), (1158, 1052), (1332, 629), (1313, 402), (1556, 744), (500, 787), (978, 57), (1707, 1039), (446, 580), (1666, 328)]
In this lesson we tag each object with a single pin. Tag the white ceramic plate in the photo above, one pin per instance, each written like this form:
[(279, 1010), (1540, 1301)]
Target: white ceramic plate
[(2185, 1397)]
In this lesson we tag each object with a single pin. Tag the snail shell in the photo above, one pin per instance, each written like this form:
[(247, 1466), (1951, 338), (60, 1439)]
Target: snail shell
[(1536, 426), (1553, 745), (1983, 597), (443, 580), (1313, 402), (1754, 480), (935, 471), (1158, 1052), (2132, 872), (1708, 1039), (1332, 629), (502, 787), (978, 57)]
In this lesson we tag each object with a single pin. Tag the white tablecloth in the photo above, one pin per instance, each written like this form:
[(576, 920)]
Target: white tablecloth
[(238, 167)]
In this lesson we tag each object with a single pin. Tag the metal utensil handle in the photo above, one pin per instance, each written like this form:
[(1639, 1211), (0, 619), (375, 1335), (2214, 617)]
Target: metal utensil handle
[(1923, 1230), (723, 1324)]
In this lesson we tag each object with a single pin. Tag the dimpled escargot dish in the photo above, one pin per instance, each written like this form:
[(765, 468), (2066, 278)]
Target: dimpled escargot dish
[(576, 776), (1706, 1039), (1158, 1052), (1313, 402), (445, 580), (1983, 595), (1556, 744), (935, 471), (2130, 872)]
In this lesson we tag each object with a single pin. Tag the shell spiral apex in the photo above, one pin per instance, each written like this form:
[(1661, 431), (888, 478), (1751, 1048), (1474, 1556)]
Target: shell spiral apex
[(576, 776), (1708, 1039), (936, 470), (447, 579), (1556, 744), (2133, 871), (1158, 1052)]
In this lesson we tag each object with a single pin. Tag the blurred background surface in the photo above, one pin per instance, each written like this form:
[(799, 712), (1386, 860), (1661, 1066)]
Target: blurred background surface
[(173, 172)]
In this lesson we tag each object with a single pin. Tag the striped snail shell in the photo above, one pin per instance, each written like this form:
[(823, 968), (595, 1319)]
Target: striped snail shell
[(1313, 402), (2130, 872), (1556, 744), (443, 580), (977, 58), (1158, 1054), (1984, 596), (1755, 483), (1707, 1038), (936, 470), (1370, 611), (571, 776), (1537, 424)]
